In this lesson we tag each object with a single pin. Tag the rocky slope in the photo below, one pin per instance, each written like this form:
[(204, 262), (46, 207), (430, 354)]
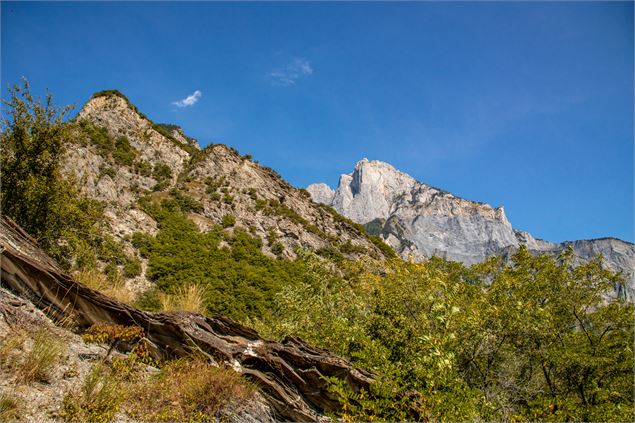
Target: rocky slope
[(421, 221), (292, 376), (121, 156)]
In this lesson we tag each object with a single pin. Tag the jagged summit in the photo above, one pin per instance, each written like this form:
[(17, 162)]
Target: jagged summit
[(422, 221)]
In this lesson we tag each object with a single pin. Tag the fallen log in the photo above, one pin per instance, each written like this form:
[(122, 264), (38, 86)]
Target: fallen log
[(290, 374)]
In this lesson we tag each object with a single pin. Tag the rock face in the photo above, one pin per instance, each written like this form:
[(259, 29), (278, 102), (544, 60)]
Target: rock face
[(421, 221), (145, 159)]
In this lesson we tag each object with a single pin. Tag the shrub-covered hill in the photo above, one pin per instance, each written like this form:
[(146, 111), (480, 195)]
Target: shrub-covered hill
[(121, 158)]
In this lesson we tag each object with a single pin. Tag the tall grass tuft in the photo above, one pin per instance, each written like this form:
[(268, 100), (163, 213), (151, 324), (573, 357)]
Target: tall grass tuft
[(45, 352), (186, 298), (31, 356), (115, 288), (97, 400), (9, 408)]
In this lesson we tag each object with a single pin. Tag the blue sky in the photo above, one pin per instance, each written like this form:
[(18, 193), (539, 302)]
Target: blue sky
[(526, 105)]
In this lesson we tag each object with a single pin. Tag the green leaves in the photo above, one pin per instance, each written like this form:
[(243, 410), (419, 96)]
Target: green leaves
[(34, 192), (531, 340)]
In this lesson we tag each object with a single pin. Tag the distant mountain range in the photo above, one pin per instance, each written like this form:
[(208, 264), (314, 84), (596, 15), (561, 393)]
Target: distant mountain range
[(421, 221)]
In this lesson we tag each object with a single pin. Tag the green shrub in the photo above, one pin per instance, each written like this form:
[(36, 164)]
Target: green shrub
[(239, 281), (186, 203), (274, 207), (350, 248), (161, 172), (160, 186), (123, 152), (228, 221), (277, 248), (142, 242), (107, 171), (132, 267), (116, 150), (143, 168)]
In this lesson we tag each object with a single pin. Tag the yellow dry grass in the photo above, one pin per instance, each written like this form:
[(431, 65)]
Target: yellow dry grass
[(187, 298), (96, 280)]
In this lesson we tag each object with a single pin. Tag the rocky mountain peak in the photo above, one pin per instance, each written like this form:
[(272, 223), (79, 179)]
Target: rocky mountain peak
[(421, 221), (370, 190)]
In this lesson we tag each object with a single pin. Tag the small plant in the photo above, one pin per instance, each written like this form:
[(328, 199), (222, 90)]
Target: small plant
[(9, 409), (277, 248), (228, 199), (107, 171), (160, 186), (142, 242), (350, 248), (143, 168), (186, 203), (97, 400), (228, 221), (252, 194), (188, 298), (113, 335), (161, 172)]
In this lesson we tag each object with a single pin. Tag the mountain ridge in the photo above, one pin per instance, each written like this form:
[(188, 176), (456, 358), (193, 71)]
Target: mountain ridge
[(120, 156), (422, 221)]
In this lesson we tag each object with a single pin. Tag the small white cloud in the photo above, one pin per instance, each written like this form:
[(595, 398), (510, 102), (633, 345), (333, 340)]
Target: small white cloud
[(190, 100), (289, 74)]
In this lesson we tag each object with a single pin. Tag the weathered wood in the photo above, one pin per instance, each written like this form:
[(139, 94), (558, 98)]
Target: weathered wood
[(291, 374)]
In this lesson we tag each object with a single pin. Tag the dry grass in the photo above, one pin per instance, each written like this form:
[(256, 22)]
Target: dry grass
[(183, 391), (191, 390), (188, 298), (97, 400), (96, 280), (31, 356), (9, 408)]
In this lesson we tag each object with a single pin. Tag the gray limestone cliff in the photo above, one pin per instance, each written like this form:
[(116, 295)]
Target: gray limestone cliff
[(421, 221)]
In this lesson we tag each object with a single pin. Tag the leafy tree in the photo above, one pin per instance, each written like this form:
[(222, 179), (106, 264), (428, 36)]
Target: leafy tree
[(34, 191)]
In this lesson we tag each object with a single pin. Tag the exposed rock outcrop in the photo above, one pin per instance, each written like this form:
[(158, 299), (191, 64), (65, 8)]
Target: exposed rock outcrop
[(421, 221), (291, 374)]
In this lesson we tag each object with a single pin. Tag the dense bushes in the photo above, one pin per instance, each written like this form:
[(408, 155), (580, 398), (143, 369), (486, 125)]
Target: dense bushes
[(239, 281), (118, 150), (530, 340)]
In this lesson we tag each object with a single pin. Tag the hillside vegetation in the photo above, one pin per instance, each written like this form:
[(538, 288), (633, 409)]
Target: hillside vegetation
[(533, 339)]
